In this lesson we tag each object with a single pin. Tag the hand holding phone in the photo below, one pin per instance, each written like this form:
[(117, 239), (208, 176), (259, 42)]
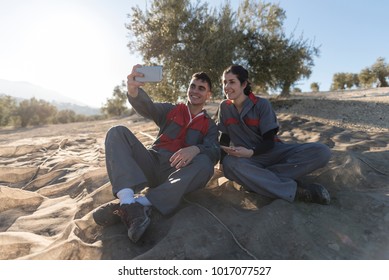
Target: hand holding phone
[(152, 74), (228, 149), (238, 151)]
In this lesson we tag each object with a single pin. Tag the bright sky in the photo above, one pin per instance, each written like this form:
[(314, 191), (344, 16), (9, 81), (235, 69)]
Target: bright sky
[(78, 47), (352, 34), (75, 47)]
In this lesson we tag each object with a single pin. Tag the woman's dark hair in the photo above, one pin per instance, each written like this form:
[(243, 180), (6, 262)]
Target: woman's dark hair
[(242, 75)]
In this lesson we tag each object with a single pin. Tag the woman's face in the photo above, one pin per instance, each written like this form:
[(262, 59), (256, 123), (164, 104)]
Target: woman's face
[(232, 87)]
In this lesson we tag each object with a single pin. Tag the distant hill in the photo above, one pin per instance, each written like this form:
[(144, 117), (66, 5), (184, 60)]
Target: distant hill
[(79, 109), (24, 90)]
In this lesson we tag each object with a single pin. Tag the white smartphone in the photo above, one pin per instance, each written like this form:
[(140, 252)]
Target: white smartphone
[(152, 74)]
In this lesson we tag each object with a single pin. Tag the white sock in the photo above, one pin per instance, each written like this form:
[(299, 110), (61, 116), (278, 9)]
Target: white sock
[(143, 200), (126, 196)]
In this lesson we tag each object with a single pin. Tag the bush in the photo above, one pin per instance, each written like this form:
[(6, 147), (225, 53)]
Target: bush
[(315, 87)]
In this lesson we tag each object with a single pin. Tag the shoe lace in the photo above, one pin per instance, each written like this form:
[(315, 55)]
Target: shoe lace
[(124, 215), (130, 213), (304, 195)]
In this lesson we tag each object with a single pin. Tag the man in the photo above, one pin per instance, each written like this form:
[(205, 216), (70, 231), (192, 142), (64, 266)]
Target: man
[(181, 159)]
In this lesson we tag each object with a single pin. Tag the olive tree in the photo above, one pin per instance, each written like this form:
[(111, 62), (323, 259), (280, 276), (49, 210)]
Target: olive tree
[(187, 37), (315, 87), (381, 71)]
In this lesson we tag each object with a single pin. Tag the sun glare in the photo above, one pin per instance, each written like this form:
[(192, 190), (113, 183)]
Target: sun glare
[(66, 46), (63, 48)]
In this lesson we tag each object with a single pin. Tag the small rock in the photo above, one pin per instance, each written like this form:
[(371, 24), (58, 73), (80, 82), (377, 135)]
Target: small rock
[(334, 246)]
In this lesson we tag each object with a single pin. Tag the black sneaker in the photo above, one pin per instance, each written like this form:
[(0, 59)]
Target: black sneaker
[(136, 218), (314, 193), (107, 214)]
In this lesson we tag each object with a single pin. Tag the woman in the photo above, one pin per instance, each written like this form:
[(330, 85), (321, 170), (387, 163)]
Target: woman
[(255, 157)]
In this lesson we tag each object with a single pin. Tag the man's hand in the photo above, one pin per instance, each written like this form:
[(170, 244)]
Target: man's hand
[(238, 151), (132, 85), (183, 156)]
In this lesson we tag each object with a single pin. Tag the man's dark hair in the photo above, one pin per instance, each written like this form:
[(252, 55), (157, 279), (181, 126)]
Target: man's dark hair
[(204, 77)]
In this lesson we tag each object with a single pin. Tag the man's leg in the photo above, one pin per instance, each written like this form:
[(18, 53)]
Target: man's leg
[(130, 168), (167, 196), (129, 163)]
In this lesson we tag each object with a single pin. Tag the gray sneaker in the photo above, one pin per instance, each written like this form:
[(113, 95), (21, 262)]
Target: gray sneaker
[(136, 217), (314, 193)]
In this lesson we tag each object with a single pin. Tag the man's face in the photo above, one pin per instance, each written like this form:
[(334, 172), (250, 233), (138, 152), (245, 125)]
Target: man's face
[(198, 92)]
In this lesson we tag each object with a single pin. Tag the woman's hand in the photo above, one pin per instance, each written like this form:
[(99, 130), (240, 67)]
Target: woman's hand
[(238, 151)]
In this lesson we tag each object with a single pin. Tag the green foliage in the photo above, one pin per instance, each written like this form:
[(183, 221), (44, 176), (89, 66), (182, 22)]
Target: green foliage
[(381, 70), (355, 80), (349, 80), (274, 59), (341, 81), (338, 81), (295, 61), (315, 87), (187, 37), (117, 105), (66, 116), (377, 74), (35, 112), (257, 16), (366, 77), (277, 61), (7, 109)]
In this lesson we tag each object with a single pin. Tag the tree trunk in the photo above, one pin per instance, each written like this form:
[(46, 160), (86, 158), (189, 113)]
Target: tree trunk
[(285, 92), (383, 82)]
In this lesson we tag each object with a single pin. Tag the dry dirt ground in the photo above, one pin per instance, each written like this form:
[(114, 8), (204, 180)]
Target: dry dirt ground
[(53, 177)]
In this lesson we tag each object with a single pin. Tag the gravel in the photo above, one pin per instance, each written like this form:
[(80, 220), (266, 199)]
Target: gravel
[(366, 110)]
